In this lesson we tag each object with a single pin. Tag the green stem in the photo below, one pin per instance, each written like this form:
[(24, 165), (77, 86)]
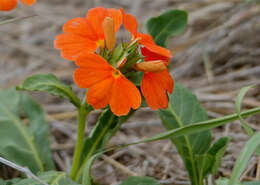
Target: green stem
[(82, 115), (94, 146)]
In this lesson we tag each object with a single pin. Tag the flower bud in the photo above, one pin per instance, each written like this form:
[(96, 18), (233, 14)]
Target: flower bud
[(109, 31), (151, 66)]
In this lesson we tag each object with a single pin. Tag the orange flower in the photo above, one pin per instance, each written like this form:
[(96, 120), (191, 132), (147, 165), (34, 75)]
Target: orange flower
[(7, 5), (82, 35), (130, 23), (106, 84), (155, 85)]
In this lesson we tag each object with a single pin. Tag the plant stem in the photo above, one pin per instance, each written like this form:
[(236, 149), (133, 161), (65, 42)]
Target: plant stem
[(82, 115)]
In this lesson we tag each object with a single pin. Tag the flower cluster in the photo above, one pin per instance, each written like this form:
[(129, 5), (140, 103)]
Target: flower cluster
[(113, 75), (7, 5)]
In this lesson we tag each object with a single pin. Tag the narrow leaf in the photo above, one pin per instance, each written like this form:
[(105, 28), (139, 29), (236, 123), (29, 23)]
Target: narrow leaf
[(50, 84), (252, 183), (170, 23), (106, 127), (238, 104), (218, 150), (244, 157), (135, 180)]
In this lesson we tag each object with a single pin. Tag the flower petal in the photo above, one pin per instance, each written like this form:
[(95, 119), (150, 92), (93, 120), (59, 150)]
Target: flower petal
[(117, 16), (92, 69), (72, 45), (124, 96), (96, 16), (28, 2), (154, 87), (81, 27), (130, 23), (99, 94), (147, 41), (86, 78), (150, 56), (92, 61), (7, 5)]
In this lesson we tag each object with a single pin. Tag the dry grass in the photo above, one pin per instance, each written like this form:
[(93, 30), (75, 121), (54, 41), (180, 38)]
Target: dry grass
[(218, 54)]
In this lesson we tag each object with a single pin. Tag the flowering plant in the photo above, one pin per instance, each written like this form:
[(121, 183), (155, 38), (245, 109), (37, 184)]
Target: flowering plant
[(119, 78)]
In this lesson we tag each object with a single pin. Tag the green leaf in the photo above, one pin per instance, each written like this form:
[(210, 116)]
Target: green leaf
[(10, 182), (51, 84), (222, 181), (194, 128), (106, 127), (225, 181), (170, 23), (135, 180), (251, 183), (218, 150), (21, 144), (184, 109), (238, 104), (204, 163), (244, 157), (87, 178), (51, 177)]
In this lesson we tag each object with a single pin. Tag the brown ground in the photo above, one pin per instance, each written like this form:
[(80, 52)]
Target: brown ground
[(218, 54)]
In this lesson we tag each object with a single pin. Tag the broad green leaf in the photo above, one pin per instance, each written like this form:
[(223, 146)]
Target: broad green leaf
[(51, 84), (106, 127), (9, 182), (51, 178), (184, 109), (19, 143), (244, 157), (218, 150), (39, 128), (170, 23), (135, 180)]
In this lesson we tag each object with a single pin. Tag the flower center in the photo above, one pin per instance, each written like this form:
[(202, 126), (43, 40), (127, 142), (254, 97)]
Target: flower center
[(100, 43), (116, 73)]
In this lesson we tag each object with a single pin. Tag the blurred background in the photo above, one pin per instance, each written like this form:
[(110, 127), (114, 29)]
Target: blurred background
[(217, 55)]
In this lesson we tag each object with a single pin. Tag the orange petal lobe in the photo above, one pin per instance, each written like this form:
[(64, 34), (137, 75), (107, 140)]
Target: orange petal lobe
[(72, 45), (117, 17), (99, 94), (154, 87), (147, 41), (7, 5), (28, 2), (81, 27), (92, 69), (130, 23), (124, 96), (92, 61), (85, 78), (149, 56), (96, 16)]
